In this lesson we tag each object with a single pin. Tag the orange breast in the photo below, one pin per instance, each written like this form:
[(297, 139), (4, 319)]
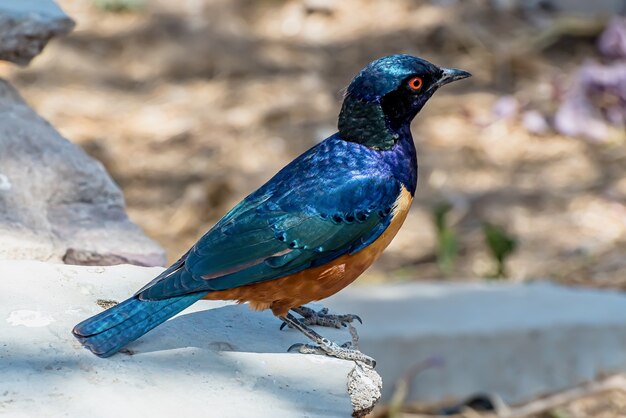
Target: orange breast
[(317, 283)]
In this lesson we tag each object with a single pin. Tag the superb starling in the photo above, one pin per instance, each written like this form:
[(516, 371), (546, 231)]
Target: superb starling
[(308, 232)]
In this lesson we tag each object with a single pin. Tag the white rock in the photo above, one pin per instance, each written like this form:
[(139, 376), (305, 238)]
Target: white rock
[(26, 26), (214, 359), (516, 340)]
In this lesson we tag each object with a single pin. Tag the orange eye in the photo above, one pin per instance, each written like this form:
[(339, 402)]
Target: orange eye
[(416, 83)]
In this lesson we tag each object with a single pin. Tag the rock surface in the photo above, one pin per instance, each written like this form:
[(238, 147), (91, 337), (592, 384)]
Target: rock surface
[(26, 26), (214, 359), (576, 7), (57, 203), (517, 340)]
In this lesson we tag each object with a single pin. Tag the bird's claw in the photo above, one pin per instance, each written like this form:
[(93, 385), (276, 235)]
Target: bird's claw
[(323, 318), (306, 349), (313, 349), (344, 352)]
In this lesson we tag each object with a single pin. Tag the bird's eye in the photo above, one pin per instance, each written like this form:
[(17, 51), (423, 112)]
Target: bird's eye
[(416, 83)]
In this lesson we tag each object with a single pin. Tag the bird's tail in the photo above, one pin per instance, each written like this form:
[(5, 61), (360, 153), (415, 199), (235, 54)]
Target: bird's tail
[(109, 331)]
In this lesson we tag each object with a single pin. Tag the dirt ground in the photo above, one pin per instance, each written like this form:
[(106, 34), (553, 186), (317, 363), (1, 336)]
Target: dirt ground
[(192, 105)]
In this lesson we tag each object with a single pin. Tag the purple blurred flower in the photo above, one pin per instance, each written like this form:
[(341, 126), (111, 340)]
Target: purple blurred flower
[(535, 122), (612, 42), (596, 100), (506, 107)]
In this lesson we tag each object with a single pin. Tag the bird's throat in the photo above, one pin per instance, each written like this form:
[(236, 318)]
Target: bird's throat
[(365, 123)]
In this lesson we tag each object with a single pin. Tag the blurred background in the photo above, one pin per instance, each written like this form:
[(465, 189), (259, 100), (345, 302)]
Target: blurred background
[(191, 105)]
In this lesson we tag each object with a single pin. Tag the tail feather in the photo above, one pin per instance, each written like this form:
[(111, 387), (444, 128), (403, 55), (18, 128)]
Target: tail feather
[(109, 331)]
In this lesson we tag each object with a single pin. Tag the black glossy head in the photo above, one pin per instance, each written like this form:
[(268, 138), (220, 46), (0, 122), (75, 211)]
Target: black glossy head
[(386, 95)]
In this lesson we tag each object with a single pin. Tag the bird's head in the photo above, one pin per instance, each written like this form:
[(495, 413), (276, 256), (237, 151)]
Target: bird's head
[(386, 95)]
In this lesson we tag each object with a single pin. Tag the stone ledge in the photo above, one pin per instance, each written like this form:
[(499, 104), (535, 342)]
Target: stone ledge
[(519, 340), (215, 358)]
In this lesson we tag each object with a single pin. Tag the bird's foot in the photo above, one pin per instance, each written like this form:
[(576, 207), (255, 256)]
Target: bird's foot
[(346, 351), (323, 318), (332, 349)]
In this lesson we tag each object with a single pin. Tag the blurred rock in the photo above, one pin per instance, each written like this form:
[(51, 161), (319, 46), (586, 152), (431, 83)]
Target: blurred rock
[(56, 203), (215, 356), (579, 7), (26, 26), (504, 5)]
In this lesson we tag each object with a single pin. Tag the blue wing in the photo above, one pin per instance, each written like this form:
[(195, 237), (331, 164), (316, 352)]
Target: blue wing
[(307, 215)]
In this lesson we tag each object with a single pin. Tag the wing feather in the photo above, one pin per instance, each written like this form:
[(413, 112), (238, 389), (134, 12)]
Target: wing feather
[(277, 232)]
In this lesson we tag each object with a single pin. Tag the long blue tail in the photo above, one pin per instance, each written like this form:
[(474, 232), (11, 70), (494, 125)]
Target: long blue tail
[(109, 331)]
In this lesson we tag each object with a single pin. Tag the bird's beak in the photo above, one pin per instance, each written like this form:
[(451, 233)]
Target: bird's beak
[(449, 75)]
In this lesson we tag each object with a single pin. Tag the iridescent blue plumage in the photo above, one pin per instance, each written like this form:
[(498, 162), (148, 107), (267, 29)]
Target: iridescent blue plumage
[(334, 200)]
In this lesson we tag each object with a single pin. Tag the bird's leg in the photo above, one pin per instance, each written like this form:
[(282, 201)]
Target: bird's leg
[(323, 318), (354, 344), (324, 345)]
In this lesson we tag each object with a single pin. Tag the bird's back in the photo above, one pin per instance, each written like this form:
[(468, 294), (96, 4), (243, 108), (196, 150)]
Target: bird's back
[(327, 168)]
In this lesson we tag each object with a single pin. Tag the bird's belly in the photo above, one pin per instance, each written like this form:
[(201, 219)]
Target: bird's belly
[(317, 283)]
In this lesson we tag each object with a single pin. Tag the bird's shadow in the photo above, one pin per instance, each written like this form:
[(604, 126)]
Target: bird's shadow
[(226, 328)]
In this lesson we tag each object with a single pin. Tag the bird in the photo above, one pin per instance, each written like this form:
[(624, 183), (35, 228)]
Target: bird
[(310, 230)]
